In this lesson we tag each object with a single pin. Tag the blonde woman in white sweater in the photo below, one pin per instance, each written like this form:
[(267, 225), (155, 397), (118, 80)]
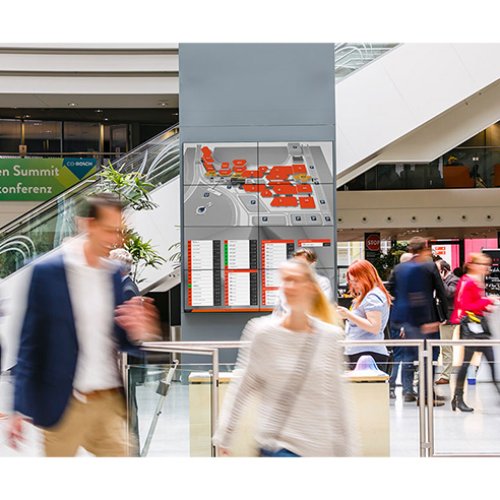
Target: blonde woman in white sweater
[(293, 365)]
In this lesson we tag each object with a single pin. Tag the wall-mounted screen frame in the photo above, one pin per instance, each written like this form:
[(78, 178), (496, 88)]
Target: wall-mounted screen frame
[(247, 207)]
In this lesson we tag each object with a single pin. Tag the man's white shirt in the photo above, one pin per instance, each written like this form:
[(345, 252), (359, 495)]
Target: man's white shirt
[(92, 299)]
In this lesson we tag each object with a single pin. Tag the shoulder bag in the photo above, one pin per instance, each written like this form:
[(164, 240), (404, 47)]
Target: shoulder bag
[(472, 326)]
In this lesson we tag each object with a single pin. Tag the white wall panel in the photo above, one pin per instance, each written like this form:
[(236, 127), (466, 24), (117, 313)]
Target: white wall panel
[(160, 225), (89, 85), (425, 205), (89, 62), (404, 90)]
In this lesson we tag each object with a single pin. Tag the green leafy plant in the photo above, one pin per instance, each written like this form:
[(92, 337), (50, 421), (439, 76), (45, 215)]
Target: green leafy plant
[(143, 253), (385, 262), (130, 187), (175, 257)]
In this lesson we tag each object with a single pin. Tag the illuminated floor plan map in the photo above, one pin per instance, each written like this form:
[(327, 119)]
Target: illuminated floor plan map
[(247, 208), (276, 184)]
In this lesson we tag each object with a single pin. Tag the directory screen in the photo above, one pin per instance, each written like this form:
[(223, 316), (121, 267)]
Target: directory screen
[(247, 208)]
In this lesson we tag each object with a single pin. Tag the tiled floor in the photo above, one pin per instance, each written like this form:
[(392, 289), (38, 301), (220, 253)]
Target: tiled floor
[(477, 432)]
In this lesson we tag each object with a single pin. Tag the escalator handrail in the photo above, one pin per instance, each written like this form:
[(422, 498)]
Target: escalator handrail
[(78, 187)]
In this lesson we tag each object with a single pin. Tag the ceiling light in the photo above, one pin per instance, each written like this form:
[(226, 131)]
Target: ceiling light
[(98, 110), (106, 119), (175, 114), (162, 103), (72, 104)]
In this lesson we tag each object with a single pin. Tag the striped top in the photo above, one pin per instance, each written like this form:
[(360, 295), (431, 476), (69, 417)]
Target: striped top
[(313, 422)]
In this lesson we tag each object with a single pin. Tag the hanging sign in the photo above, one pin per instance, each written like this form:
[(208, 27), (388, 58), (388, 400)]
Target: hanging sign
[(39, 179)]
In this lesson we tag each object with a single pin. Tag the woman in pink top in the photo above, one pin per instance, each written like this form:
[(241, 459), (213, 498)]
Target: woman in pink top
[(470, 297)]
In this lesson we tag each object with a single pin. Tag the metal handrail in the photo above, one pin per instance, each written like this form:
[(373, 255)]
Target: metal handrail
[(80, 186), (351, 57), (207, 347), (426, 413), (437, 343), (214, 352)]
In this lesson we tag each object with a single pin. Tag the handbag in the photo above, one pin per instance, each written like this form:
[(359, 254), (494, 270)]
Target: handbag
[(441, 313), (473, 327)]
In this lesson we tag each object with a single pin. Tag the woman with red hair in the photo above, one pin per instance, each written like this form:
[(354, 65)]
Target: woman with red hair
[(368, 315)]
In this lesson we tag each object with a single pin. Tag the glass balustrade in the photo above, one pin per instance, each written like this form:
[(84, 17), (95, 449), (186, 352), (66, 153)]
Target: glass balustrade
[(44, 228), (461, 168), (350, 57), (173, 418), (172, 411), (170, 408)]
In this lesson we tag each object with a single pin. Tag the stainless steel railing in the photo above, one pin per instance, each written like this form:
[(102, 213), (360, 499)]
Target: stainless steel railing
[(426, 411), (211, 348), (430, 410)]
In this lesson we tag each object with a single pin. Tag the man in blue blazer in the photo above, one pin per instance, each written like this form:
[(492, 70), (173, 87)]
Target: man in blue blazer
[(398, 287), (67, 377), (415, 285)]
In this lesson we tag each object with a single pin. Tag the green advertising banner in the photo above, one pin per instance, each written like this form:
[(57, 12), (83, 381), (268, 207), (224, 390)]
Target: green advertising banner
[(39, 179)]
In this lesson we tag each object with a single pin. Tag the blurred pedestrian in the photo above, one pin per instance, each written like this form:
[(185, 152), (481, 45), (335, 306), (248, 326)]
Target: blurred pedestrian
[(125, 260), (369, 313), (423, 320), (135, 373), (309, 257), (450, 282), (470, 298), (396, 331), (67, 377), (2, 415), (294, 365)]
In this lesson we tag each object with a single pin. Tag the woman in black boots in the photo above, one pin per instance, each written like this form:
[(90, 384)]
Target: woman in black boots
[(470, 297)]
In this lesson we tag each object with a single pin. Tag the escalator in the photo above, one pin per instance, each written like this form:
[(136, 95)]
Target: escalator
[(39, 233), (43, 229), (413, 104)]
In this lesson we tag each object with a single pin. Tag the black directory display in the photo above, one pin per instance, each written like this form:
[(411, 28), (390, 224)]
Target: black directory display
[(247, 208), (492, 281)]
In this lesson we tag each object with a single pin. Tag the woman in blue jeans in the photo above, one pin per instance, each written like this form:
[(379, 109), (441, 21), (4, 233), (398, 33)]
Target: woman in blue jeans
[(293, 366)]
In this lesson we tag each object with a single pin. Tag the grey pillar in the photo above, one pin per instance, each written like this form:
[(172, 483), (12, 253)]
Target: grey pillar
[(253, 92)]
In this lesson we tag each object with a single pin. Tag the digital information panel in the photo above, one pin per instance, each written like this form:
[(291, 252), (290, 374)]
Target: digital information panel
[(247, 208), (492, 281)]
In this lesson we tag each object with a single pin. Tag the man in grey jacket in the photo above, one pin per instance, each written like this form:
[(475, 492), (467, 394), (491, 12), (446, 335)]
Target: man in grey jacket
[(450, 282)]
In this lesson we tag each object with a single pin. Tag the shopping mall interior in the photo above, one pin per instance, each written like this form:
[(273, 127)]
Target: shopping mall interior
[(411, 156)]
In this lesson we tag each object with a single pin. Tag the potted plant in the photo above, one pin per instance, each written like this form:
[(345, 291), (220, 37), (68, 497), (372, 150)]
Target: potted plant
[(134, 192), (129, 187), (143, 253)]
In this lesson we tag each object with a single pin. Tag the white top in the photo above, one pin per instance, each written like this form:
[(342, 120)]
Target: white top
[(313, 421), (374, 300), (92, 301)]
